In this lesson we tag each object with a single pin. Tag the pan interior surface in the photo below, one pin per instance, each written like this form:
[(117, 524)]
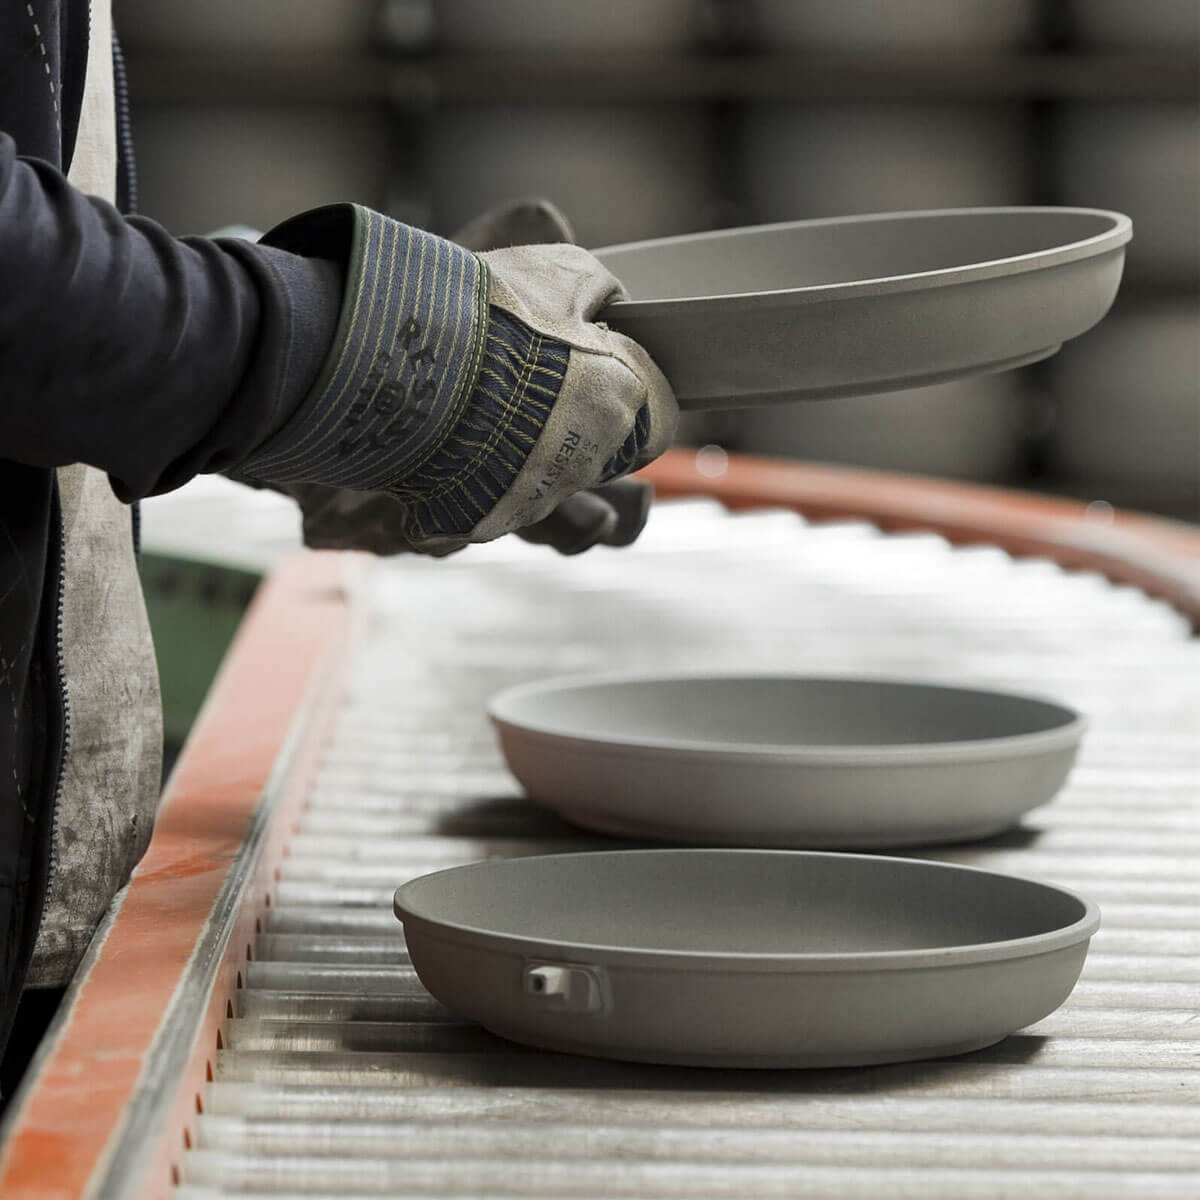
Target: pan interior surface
[(823, 253), (739, 902), (785, 713)]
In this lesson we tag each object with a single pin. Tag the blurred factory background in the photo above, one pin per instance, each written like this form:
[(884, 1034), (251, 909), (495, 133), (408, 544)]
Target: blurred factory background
[(642, 118)]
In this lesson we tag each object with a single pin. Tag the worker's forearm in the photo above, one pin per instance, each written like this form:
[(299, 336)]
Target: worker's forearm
[(150, 357)]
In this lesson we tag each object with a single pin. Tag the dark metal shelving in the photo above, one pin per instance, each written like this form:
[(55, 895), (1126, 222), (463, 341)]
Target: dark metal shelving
[(288, 77)]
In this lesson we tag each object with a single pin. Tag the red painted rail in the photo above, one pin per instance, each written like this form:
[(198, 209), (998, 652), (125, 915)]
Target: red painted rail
[(68, 1119)]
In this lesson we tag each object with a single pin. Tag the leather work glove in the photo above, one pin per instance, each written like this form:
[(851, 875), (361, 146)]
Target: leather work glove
[(469, 396), (341, 519), (612, 515)]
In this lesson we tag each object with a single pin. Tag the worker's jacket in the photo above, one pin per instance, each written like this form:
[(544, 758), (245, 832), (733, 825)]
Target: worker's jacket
[(129, 362), (341, 350)]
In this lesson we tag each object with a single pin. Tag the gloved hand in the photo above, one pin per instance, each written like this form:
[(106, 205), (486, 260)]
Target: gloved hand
[(529, 222), (341, 519), (613, 515), (559, 404)]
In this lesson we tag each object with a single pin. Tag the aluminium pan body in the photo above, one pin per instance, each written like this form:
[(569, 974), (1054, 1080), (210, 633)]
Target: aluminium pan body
[(745, 958), (811, 310), (796, 761)]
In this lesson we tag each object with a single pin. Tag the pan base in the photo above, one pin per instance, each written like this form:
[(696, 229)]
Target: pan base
[(815, 1061), (798, 839), (874, 387)]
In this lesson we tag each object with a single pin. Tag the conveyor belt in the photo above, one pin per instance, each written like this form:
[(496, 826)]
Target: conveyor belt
[(341, 1076)]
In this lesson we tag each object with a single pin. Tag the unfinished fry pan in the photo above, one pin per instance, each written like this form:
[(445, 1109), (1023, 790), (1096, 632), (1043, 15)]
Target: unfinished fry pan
[(855, 305), (784, 760), (745, 958)]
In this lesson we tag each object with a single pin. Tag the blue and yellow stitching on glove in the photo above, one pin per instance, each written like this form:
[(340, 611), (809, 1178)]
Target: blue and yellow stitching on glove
[(477, 392)]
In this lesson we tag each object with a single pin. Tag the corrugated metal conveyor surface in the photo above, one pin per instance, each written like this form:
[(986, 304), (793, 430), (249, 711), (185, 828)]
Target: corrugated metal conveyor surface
[(340, 1076)]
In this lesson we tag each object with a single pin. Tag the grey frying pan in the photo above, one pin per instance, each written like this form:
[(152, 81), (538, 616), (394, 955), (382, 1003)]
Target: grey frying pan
[(745, 958), (849, 306), (785, 760)]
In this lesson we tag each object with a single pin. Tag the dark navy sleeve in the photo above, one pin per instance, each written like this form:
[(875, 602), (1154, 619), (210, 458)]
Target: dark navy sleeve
[(150, 357)]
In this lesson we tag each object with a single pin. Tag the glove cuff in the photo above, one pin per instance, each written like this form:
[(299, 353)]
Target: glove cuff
[(405, 356), (519, 381)]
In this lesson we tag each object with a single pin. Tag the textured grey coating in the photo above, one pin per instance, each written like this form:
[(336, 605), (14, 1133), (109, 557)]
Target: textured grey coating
[(809, 310), (784, 760), (746, 958)]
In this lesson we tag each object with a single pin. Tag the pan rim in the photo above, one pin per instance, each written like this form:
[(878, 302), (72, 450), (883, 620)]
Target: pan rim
[(1062, 736), (1081, 930), (1119, 233)]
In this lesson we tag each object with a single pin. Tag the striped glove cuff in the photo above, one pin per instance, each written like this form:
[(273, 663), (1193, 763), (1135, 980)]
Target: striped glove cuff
[(405, 358)]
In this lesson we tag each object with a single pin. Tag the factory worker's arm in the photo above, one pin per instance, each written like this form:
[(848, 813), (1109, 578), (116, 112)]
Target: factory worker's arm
[(150, 357), (346, 350)]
